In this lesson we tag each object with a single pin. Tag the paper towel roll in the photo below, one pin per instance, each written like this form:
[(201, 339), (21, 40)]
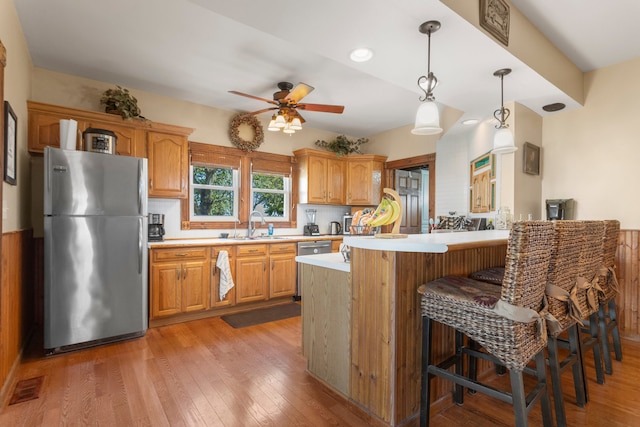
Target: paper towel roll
[(68, 130)]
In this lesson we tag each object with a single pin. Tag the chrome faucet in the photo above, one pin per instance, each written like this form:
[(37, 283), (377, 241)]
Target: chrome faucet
[(251, 230)]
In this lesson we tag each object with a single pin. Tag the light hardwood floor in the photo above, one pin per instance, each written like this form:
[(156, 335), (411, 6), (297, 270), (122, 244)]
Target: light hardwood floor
[(205, 373)]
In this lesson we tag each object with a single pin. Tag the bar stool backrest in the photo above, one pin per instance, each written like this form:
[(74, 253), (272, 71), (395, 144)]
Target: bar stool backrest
[(611, 236), (590, 263)]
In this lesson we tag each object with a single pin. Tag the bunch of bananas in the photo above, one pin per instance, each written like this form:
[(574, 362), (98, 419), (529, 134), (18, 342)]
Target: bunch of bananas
[(386, 213)]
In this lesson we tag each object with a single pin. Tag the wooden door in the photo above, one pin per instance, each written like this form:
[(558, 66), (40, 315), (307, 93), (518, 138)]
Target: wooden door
[(336, 181), (317, 179), (251, 279), (282, 280), (166, 294), (230, 298), (168, 165), (409, 187), (195, 286), (359, 185)]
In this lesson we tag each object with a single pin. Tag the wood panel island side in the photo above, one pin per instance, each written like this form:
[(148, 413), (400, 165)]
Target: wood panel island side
[(361, 322)]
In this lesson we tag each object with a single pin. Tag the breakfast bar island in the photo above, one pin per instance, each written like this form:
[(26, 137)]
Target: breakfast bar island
[(361, 324)]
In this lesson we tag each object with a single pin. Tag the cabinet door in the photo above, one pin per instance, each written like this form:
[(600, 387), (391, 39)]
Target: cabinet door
[(230, 298), (195, 286), (251, 279), (168, 165), (165, 289), (44, 131), (283, 275), (317, 180), (126, 136), (336, 181), (359, 182)]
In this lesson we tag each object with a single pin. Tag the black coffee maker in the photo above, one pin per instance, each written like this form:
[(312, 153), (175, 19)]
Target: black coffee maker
[(156, 227)]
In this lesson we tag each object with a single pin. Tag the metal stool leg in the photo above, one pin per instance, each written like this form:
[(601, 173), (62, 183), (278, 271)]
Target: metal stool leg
[(425, 377), (545, 403), (615, 333), (604, 339), (554, 369)]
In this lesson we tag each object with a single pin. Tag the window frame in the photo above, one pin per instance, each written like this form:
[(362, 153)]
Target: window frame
[(209, 154), (235, 187), (286, 191)]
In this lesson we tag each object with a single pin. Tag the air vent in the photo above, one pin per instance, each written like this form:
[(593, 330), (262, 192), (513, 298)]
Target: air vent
[(554, 107)]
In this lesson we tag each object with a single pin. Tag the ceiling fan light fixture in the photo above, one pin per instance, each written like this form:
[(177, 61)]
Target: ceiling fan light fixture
[(295, 124), (287, 129), (361, 54), (272, 124), (503, 142), (428, 117), (280, 122)]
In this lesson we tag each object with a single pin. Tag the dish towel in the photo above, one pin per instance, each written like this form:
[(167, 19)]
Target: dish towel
[(226, 281)]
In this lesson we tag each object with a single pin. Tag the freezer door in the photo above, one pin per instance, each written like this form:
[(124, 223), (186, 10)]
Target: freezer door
[(95, 278), (85, 183)]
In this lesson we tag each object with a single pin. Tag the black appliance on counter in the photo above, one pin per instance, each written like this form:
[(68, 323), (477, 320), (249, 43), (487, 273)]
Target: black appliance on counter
[(559, 209), (311, 229), (156, 227)]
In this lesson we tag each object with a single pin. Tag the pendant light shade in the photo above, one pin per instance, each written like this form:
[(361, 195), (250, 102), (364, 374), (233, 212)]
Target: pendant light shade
[(503, 142), (428, 117)]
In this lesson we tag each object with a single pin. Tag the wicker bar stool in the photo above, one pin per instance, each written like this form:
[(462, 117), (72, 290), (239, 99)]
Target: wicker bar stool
[(607, 291), (508, 322)]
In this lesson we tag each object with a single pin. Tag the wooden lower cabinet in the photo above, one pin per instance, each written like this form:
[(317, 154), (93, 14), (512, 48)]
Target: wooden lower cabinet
[(283, 273), (179, 281), (251, 273), (230, 298)]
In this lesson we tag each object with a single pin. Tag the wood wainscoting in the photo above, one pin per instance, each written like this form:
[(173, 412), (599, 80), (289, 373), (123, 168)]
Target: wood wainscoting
[(16, 300), (628, 273)]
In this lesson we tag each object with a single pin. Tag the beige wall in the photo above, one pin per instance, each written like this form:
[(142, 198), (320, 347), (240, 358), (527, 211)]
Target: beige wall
[(17, 86), (527, 188), (592, 154)]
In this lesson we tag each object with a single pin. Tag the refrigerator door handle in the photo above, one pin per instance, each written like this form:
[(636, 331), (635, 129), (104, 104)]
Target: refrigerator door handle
[(140, 240), (141, 182)]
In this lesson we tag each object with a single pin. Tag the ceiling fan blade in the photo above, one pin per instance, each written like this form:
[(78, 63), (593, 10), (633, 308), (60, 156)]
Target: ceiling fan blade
[(300, 91), (254, 113), (253, 97), (324, 108)]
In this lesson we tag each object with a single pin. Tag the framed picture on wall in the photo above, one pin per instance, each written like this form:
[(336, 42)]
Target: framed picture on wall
[(10, 143), (531, 160)]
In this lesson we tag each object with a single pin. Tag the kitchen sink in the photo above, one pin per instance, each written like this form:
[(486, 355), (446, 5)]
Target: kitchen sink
[(261, 238)]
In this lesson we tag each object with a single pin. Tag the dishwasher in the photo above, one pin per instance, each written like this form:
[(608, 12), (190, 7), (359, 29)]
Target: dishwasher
[(310, 248)]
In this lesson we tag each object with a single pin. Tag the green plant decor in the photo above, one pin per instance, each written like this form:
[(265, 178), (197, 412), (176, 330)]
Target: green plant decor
[(120, 101), (342, 146)]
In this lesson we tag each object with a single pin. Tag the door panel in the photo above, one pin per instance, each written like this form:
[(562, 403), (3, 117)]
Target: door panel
[(409, 187)]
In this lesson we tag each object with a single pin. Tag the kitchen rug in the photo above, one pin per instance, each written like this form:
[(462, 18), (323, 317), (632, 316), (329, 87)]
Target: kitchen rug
[(262, 315), (26, 390)]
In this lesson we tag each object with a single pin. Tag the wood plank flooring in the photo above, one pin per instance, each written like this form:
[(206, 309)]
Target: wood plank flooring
[(205, 373)]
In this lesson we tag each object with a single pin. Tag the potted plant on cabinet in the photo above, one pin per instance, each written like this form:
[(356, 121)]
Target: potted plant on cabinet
[(120, 101), (342, 146)]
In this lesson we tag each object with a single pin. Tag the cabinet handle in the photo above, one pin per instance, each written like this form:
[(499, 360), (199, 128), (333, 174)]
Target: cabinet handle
[(182, 254), (184, 273), (253, 250), (177, 274), (264, 266), (151, 183)]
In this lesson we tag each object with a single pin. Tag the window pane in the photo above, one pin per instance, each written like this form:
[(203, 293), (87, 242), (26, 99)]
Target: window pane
[(271, 204), (268, 182), (212, 202), (212, 176)]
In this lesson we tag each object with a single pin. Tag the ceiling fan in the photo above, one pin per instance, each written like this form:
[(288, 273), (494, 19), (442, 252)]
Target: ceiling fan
[(287, 102)]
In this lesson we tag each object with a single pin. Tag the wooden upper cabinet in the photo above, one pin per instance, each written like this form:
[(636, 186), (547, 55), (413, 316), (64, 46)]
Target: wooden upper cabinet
[(168, 164), (165, 145), (364, 179), (322, 177)]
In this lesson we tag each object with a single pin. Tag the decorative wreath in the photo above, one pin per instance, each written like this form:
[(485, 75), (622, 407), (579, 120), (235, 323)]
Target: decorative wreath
[(234, 134)]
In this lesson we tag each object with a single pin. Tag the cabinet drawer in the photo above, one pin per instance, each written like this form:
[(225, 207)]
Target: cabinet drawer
[(179, 254), (215, 250), (280, 248), (251, 250)]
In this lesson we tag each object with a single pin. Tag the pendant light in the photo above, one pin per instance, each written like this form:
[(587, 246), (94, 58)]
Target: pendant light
[(428, 116), (503, 142)]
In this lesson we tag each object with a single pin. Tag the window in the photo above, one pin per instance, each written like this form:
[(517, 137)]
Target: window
[(214, 193), (270, 195), (226, 184)]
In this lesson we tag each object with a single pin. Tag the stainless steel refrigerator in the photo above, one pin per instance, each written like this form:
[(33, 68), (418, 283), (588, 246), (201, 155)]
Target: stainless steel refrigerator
[(95, 248)]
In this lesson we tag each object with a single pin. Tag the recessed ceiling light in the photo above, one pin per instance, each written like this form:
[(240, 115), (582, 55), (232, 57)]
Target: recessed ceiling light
[(470, 122), (361, 54)]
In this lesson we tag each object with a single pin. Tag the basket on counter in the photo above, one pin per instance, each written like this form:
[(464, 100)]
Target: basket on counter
[(363, 230)]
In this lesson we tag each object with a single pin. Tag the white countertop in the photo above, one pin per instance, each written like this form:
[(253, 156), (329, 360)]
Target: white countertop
[(434, 243), (333, 261), (232, 241)]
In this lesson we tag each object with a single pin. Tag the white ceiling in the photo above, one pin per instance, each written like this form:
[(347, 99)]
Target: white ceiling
[(198, 50)]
